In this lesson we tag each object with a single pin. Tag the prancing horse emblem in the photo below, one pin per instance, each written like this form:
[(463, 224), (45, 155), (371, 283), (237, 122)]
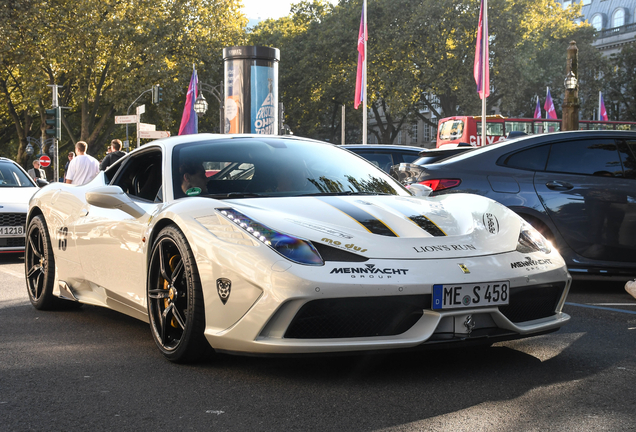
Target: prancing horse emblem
[(224, 286), (464, 268)]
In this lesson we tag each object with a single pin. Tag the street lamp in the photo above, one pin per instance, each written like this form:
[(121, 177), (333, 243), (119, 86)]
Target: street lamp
[(200, 105), (217, 92), (571, 103), (570, 81)]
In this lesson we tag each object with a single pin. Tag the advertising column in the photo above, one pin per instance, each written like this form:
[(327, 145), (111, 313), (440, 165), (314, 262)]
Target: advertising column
[(251, 89)]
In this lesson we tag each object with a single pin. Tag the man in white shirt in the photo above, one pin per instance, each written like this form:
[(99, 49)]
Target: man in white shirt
[(83, 168)]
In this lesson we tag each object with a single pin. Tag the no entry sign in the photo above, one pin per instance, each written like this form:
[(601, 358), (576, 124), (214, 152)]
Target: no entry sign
[(45, 161)]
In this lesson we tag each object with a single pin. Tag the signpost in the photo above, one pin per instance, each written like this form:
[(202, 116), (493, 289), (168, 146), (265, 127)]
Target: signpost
[(127, 119), (45, 161), (153, 134), (147, 127)]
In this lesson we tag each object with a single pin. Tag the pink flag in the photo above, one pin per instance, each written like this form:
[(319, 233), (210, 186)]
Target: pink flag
[(548, 106), (537, 110), (362, 37), (602, 111), (481, 55)]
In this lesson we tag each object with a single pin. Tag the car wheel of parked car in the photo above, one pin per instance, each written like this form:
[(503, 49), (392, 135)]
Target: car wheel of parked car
[(39, 265), (175, 299)]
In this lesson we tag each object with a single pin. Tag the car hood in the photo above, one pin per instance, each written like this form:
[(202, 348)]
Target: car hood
[(390, 226), (16, 198)]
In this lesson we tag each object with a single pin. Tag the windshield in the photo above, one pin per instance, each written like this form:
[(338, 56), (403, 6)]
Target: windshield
[(451, 130), (250, 167), (12, 176)]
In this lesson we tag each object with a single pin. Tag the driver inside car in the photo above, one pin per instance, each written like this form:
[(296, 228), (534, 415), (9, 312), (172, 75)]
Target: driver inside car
[(193, 179)]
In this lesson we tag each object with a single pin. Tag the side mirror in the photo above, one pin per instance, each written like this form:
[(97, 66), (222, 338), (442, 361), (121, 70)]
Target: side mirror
[(41, 182), (419, 189), (112, 197)]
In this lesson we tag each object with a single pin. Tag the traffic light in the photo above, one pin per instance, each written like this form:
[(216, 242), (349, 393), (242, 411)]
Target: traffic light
[(54, 122), (157, 94)]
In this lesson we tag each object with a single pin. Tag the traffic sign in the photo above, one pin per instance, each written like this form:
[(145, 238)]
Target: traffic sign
[(140, 109), (127, 119), (45, 161), (154, 134), (147, 127)]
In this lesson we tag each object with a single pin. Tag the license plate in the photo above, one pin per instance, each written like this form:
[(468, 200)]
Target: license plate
[(15, 231), (454, 296)]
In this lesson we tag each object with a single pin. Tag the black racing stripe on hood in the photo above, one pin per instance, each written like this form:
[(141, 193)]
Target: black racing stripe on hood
[(420, 220), (370, 222)]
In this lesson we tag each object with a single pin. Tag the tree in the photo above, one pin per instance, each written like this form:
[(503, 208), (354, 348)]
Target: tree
[(104, 54), (620, 99)]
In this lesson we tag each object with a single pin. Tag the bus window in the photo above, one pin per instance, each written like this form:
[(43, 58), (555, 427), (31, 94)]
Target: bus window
[(491, 129), (451, 130), (516, 126)]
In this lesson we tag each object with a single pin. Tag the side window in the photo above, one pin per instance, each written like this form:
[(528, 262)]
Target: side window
[(591, 157), (408, 158), (383, 161), (141, 176), (628, 156), (533, 159)]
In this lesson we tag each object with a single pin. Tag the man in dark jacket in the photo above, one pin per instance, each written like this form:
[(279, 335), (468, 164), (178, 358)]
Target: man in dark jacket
[(113, 155)]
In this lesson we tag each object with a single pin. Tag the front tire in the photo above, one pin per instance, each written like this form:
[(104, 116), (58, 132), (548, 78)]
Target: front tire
[(39, 265), (175, 299)]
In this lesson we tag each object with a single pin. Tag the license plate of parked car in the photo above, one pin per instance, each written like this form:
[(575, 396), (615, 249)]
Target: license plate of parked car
[(14, 231), (454, 296)]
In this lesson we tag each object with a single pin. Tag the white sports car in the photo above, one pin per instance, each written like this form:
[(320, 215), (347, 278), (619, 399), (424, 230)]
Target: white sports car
[(280, 245)]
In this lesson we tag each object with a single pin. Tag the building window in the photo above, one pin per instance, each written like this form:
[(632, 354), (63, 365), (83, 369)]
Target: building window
[(399, 137), (586, 2), (414, 133), (597, 22), (427, 132), (618, 20), (567, 3)]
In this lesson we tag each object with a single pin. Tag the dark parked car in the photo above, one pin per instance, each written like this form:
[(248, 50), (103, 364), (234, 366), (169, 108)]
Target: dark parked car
[(578, 188), (384, 156), (429, 156)]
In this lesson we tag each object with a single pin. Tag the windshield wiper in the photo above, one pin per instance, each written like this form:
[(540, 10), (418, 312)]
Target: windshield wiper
[(345, 193), (231, 195)]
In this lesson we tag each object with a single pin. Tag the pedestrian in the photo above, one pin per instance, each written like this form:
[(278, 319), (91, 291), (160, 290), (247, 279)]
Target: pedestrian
[(114, 153), (36, 172), (83, 168), (71, 155)]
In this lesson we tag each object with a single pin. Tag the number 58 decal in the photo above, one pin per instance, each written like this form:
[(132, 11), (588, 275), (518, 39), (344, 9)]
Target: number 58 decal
[(62, 235)]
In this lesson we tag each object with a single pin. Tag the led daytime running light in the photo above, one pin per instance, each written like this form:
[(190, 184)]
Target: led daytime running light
[(293, 248)]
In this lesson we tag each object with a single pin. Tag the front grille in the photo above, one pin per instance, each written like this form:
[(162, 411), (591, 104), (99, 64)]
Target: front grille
[(357, 317), (12, 219), (12, 242), (533, 302)]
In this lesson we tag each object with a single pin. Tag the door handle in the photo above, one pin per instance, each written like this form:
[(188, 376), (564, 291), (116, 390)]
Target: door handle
[(559, 185)]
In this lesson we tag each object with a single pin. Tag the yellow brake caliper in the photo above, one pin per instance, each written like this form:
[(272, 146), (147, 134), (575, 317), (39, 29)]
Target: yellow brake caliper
[(172, 263)]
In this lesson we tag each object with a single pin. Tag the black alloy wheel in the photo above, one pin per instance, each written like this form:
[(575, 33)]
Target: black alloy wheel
[(175, 299), (39, 265)]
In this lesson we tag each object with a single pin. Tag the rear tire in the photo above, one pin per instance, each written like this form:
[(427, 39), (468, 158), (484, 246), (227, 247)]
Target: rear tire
[(175, 299), (39, 264)]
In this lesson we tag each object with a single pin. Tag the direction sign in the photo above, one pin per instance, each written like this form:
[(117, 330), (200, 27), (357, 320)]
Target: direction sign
[(45, 161), (140, 109), (147, 127), (125, 119), (154, 134)]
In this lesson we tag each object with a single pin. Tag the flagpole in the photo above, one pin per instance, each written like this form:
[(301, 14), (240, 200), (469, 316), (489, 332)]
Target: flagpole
[(364, 73), (547, 89), (484, 44), (599, 106)]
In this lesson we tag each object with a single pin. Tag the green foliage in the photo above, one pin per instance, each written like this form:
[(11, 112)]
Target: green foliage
[(620, 88), (105, 54)]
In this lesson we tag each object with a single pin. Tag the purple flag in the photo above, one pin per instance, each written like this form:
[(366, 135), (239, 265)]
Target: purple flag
[(601, 109), (537, 110), (189, 120), (481, 73), (548, 106)]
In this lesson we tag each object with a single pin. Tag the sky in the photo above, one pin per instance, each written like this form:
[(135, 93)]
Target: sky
[(263, 9)]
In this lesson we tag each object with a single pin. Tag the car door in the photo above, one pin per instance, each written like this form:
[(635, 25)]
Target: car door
[(588, 196), (111, 242)]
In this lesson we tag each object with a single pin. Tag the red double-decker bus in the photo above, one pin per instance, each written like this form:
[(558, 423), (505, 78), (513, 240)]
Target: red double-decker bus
[(452, 131)]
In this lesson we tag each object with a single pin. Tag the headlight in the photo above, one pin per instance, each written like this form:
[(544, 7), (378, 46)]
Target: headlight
[(531, 240), (293, 248)]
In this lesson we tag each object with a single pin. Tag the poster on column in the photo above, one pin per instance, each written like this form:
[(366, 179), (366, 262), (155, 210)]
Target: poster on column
[(264, 107), (234, 97)]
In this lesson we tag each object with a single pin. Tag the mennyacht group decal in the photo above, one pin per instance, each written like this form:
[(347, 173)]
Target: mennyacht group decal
[(263, 113)]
